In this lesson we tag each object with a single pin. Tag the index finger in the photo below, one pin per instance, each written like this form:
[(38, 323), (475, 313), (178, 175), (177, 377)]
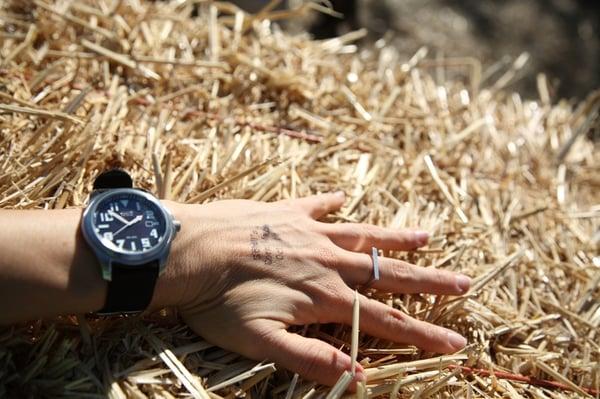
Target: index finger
[(317, 206)]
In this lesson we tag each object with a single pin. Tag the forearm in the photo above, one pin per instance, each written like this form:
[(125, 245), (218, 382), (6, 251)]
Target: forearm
[(46, 268)]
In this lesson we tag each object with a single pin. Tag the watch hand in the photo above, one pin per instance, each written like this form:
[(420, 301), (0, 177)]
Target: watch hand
[(128, 224), (117, 216)]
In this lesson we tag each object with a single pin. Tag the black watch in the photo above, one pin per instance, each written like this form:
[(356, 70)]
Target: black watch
[(130, 231)]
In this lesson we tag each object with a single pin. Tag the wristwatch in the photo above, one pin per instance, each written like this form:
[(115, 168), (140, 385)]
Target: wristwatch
[(130, 231)]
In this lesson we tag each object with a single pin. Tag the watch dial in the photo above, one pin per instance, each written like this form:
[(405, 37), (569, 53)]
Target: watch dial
[(129, 223)]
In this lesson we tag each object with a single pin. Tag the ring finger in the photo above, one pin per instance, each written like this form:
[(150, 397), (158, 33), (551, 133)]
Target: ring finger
[(400, 277)]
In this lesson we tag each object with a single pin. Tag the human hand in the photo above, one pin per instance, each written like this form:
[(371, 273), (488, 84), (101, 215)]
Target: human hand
[(241, 272)]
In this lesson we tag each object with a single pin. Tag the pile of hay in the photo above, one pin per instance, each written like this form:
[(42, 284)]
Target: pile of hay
[(225, 105)]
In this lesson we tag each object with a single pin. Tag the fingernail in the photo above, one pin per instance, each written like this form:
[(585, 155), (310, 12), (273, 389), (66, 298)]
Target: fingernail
[(421, 237), (340, 194), (463, 282), (456, 340)]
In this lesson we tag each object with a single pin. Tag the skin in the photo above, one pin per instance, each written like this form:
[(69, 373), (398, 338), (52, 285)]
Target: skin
[(240, 273)]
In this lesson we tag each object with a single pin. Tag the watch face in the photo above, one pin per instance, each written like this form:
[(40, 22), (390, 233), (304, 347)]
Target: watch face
[(129, 223)]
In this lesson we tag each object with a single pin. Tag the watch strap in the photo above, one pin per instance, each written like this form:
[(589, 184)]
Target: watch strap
[(114, 178), (131, 288)]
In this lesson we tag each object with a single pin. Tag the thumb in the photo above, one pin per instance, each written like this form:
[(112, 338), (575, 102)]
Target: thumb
[(313, 359)]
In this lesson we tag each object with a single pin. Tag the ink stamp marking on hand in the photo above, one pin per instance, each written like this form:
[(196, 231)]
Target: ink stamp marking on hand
[(262, 239)]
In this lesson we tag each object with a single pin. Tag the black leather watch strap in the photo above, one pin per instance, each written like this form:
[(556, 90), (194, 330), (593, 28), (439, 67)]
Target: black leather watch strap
[(131, 288), (114, 178)]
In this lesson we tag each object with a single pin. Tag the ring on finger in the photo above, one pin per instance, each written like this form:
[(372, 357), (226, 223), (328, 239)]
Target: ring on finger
[(375, 262)]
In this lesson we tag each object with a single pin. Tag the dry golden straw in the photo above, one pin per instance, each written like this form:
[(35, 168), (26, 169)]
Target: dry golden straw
[(226, 105)]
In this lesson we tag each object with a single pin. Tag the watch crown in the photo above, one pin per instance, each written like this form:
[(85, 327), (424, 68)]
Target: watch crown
[(177, 225)]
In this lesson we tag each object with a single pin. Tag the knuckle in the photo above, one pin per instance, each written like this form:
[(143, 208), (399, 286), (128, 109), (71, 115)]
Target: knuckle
[(321, 203), (349, 230), (327, 257), (287, 207), (399, 271), (327, 291), (439, 277), (261, 338), (431, 333), (369, 231), (320, 229), (396, 320), (309, 365), (338, 298)]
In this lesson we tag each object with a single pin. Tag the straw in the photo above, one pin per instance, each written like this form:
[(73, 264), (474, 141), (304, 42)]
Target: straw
[(226, 105)]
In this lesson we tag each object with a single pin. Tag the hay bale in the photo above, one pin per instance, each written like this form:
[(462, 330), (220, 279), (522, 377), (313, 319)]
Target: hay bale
[(225, 105)]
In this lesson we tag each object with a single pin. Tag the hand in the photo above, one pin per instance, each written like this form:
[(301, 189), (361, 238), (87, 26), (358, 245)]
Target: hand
[(242, 272)]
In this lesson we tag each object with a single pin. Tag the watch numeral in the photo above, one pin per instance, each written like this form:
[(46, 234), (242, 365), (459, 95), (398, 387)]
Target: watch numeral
[(120, 243), (108, 235), (146, 243), (133, 247), (106, 217), (154, 233)]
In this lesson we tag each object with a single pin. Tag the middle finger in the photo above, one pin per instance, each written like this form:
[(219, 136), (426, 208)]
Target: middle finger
[(360, 237)]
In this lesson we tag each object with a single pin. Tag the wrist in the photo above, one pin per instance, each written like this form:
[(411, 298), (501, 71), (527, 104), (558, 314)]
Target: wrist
[(82, 277), (186, 259), (85, 278)]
